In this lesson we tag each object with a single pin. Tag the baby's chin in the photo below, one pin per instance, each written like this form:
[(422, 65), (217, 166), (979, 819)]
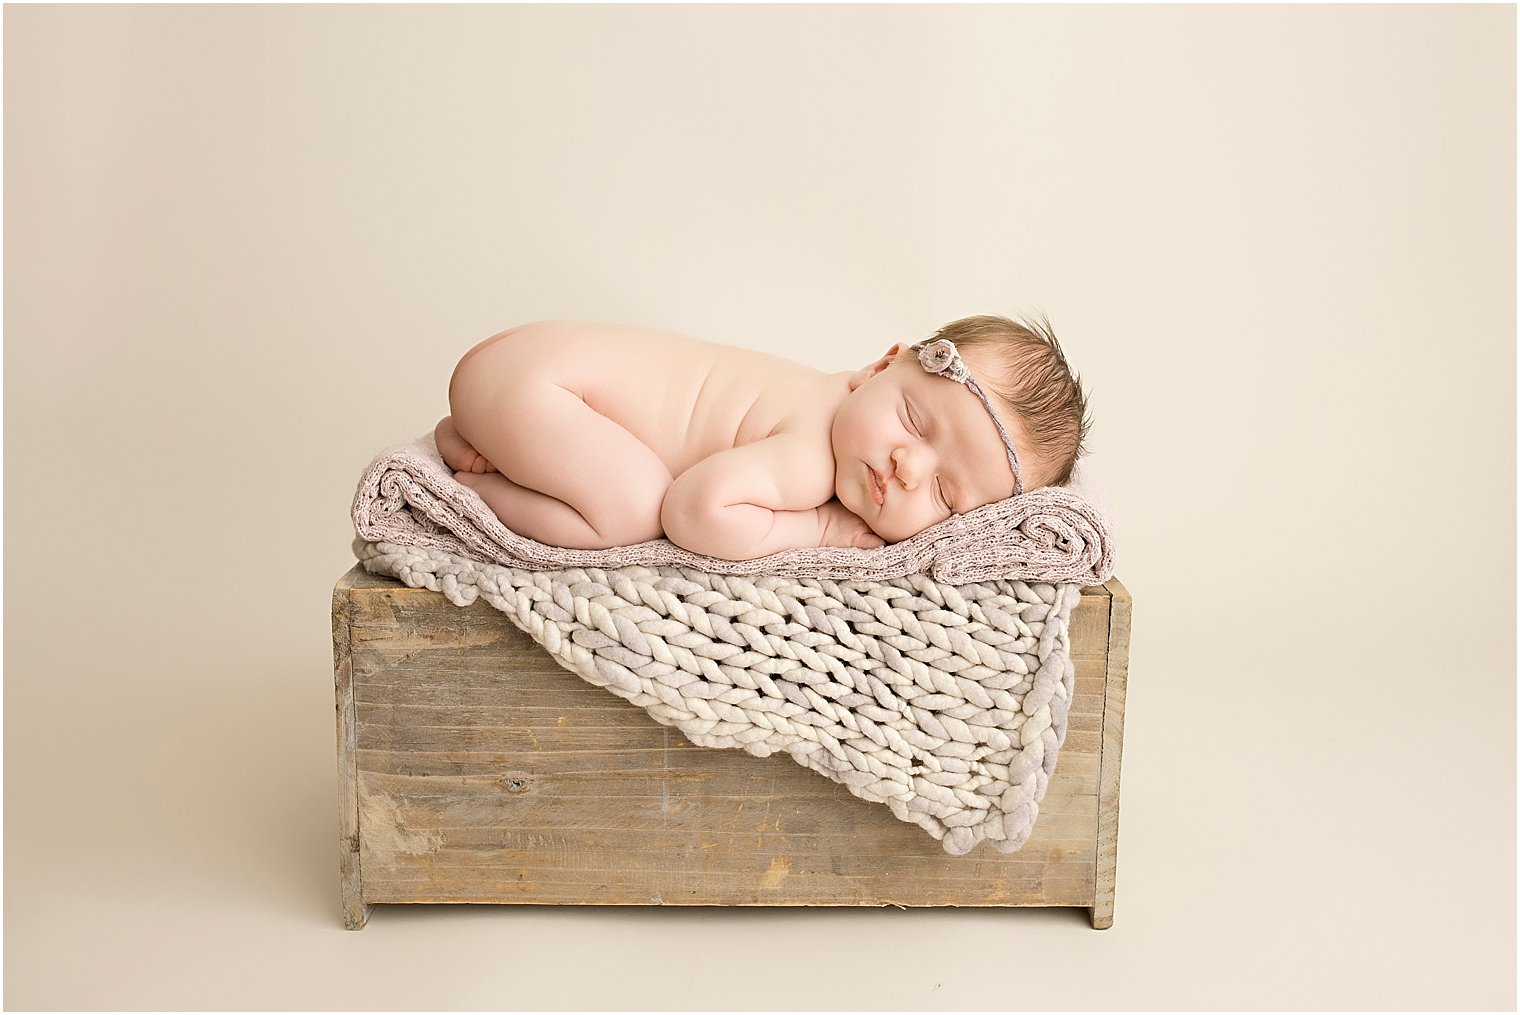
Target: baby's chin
[(888, 533), (885, 532), (855, 509)]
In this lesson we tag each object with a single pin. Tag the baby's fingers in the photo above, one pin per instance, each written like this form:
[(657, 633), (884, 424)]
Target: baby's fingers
[(869, 541)]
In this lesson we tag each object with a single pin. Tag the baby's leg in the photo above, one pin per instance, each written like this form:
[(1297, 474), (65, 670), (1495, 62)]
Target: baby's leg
[(457, 452), (568, 476), (533, 514)]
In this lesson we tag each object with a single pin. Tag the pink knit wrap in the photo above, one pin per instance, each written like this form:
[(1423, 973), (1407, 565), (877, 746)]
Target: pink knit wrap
[(409, 497)]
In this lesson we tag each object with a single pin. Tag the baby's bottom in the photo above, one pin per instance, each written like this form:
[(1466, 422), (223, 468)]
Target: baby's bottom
[(565, 474)]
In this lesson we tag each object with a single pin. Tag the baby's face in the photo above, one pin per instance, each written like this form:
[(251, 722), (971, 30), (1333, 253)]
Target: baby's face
[(912, 448)]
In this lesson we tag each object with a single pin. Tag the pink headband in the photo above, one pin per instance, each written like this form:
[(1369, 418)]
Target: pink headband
[(942, 358)]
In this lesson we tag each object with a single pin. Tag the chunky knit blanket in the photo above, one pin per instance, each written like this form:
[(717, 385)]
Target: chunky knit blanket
[(933, 675), (409, 496), (946, 703)]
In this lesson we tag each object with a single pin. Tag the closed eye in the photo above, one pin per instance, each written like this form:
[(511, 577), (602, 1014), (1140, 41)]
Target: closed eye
[(939, 487)]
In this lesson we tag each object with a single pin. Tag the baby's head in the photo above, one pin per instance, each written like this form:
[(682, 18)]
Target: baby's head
[(914, 445)]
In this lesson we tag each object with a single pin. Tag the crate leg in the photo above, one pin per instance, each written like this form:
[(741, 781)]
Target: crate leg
[(1110, 753), (356, 914)]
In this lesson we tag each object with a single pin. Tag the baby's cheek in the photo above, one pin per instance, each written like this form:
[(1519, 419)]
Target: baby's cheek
[(842, 494)]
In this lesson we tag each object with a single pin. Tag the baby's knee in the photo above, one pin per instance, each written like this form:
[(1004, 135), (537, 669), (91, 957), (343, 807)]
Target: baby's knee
[(503, 417)]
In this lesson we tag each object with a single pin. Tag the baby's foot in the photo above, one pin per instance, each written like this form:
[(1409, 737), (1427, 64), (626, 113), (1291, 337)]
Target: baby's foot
[(457, 452)]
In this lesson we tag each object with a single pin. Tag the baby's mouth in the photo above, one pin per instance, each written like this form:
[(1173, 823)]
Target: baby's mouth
[(878, 492)]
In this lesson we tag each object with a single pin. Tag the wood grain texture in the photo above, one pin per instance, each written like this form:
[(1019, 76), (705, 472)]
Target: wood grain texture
[(355, 911), (484, 772), (1115, 682)]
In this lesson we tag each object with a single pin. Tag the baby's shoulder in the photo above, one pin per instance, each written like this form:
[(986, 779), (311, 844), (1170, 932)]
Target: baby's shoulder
[(806, 404), (804, 412)]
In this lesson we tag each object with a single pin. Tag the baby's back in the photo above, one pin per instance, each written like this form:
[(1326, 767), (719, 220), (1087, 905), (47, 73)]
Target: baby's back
[(684, 398)]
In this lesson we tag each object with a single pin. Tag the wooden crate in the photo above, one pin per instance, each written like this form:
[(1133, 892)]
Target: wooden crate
[(473, 768)]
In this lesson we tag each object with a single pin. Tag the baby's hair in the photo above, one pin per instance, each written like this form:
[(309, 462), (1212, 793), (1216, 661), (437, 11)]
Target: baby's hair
[(1027, 371)]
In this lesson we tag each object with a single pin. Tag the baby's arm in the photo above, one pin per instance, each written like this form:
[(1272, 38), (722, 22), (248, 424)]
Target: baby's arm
[(755, 500)]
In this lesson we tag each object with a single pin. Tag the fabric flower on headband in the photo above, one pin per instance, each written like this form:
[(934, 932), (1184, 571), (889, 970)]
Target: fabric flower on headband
[(941, 358)]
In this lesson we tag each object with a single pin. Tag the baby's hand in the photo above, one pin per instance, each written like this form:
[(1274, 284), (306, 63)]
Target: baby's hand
[(842, 527)]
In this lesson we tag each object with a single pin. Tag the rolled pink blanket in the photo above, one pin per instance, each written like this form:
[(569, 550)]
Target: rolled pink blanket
[(408, 496)]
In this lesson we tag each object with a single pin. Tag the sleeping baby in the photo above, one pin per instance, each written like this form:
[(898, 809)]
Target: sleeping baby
[(598, 435)]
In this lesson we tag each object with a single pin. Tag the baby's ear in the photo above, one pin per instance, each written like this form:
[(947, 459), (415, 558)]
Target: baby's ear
[(866, 373)]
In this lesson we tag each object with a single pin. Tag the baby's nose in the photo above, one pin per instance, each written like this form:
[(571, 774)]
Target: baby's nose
[(905, 468)]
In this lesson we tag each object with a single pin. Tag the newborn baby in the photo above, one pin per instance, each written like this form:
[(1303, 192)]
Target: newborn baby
[(597, 435)]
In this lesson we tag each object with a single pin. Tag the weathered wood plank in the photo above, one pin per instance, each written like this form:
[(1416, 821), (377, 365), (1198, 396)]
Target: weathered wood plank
[(529, 799), (556, 692), (355, 911), (740, 774), (374, 733), (1113, 748), (607, 888)]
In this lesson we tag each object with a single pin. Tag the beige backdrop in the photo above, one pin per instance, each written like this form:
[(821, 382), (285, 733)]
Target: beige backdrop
[(244, 248)]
